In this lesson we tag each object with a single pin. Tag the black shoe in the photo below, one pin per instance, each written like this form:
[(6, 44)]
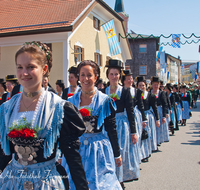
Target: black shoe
[(145, 160), (122, 185), (136, 179), (176, 129), (172, 130)]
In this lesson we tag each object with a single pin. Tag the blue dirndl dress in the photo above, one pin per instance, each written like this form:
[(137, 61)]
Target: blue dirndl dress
[(186, 111), (19, 174), (161, 132), (95, 149), (179, 112), (129, 152)]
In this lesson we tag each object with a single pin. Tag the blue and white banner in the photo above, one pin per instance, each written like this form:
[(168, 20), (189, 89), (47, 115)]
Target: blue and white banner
[(176, 39), (113, 42)]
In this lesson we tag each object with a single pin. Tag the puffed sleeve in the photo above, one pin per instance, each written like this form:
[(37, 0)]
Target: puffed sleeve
[(180, 100), (153, 104), (140, 104), (163, 100), (168, 101), (73, 127), (128, 102), (110, 127)]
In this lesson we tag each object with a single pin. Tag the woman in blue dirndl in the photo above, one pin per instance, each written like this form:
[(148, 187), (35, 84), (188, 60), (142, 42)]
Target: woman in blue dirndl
[(186, 100), (125, 124), (99, 147), (140, 118), (179, 105), (28, 162), (151, 112), (162, 110)]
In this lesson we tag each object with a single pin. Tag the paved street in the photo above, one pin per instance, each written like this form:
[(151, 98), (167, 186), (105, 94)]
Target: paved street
[(177, 165)]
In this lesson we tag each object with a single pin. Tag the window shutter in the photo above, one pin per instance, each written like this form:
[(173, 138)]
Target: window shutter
[(94, 22), (95, 57), (75, 51), (101, 62), (82, 55), (98, 24)]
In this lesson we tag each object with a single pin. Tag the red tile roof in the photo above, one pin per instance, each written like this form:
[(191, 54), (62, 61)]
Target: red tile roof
[(33, 13)]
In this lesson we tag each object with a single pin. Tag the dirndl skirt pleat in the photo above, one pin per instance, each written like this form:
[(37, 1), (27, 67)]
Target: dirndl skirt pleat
[(138, 126), (162, 132), (185, 112), (43, 176), (98, 162), (152, 124), (179, 112), (130, 168), (146, 143)]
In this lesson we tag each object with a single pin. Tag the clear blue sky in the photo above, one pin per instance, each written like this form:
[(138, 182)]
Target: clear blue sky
[(166, 17)]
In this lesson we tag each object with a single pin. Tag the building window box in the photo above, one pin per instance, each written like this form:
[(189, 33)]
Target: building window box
[(143, 48), (98, 59), (143, 70), (78, 54), (96, 23)]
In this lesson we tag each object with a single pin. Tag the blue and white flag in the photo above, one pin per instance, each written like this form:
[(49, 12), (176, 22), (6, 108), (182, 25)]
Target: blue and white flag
[(176, 40), (113, 42)]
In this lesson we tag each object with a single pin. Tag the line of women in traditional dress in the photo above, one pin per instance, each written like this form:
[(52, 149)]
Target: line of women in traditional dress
[(123, 124)]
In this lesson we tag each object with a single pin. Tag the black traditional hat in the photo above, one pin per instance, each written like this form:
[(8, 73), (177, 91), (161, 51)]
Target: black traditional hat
[(155, 79), (139, 79), (114, 63), (161, 82), (72, 69), (127, 72), (59, 82), (175, 86), (183, 86), (11, 78), (169, 86), (2, 81)]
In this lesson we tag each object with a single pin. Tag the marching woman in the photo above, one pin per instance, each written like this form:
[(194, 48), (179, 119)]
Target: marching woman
[(73, 80), (149, 101), (35, 125), (162, 132), (11, 81), (140, 118), (172, 117), (125, 121), (186, 100), (60, 86), (46, 85), (99, 148), (179, 105)]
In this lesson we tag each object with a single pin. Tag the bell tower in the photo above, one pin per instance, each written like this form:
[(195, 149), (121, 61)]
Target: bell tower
[(119, 8)]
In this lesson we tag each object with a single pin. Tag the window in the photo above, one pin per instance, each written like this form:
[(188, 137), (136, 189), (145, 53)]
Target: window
[(78, 54), (143, 48), (96, 23), (98, 59), (127, 67), (143, 70)]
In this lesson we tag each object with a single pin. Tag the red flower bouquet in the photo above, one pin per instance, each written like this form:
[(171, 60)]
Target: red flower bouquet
[(114, 96), (142, 96), (85, 112), (70, 94), (22, 132)]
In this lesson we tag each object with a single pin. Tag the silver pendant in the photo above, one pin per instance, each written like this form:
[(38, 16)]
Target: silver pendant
[(28, 185), (85, 142), (28, 150), (21, 150)]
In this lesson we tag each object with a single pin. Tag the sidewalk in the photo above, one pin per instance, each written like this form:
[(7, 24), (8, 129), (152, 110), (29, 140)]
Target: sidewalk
[(177, 164)]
